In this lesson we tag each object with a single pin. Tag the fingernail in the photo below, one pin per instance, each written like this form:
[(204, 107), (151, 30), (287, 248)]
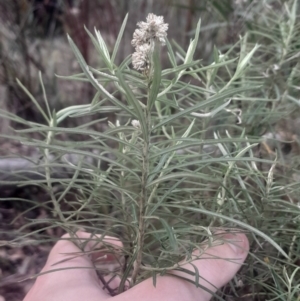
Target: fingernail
[(237, 242)]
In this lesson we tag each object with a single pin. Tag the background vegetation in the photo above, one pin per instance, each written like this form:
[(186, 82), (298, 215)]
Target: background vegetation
[(251, 149)]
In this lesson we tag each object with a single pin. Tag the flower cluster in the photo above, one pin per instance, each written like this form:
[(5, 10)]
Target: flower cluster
[(154, 30)]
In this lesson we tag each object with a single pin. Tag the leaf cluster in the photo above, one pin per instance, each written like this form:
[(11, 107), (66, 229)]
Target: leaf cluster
[(189, 164)]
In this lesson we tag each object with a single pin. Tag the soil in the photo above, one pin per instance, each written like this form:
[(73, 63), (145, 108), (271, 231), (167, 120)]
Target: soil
[(21, 259)]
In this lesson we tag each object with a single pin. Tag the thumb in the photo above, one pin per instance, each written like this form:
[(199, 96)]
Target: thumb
[(219, 264), (216, 266)]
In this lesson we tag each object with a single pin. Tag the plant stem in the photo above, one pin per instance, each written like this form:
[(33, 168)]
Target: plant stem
[(143, 200), (48, 176)]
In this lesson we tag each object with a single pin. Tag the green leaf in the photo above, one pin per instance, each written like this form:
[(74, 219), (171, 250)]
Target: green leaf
[(213, 72), (234, 221), (181, 67), (190, 142), (202, 104), (213, 160), (78, 130), (103, 47), (196, 274), (171, 54), (211, 66), (92, 155), (99, 49), (181, 175), (166, 194), (193, 45), (44, 94), (170, 233), (158, 166), (156, 78), (244, 60), (127, 272), (34, 101), (131, 99), (120, 35), (93, 80), (154, 278)]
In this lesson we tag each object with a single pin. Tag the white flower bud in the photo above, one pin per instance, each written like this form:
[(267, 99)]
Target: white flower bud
[(135, 123), (154, 30)]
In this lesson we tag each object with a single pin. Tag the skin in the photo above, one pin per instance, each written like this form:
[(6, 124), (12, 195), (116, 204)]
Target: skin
[(83, 284)]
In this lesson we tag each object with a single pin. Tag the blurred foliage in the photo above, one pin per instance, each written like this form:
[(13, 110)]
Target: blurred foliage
[(28, 25)]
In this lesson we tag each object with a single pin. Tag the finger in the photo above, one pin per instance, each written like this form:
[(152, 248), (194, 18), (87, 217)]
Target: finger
[(70, 270), (217, 266), (85, 246), (85, 251)]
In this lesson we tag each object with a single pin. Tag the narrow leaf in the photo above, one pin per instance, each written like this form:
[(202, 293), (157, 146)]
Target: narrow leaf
[(33, 100), (201, 104), (133, 102), (156, 78), (99, 49), (234, 221), (120, 35), (93, 80)]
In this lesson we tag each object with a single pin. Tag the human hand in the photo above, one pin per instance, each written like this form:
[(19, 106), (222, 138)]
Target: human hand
[(83, 284)]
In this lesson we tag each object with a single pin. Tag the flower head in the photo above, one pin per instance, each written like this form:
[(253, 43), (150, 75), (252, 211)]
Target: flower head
[(144, 38), (140, 58), (153, 29)]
